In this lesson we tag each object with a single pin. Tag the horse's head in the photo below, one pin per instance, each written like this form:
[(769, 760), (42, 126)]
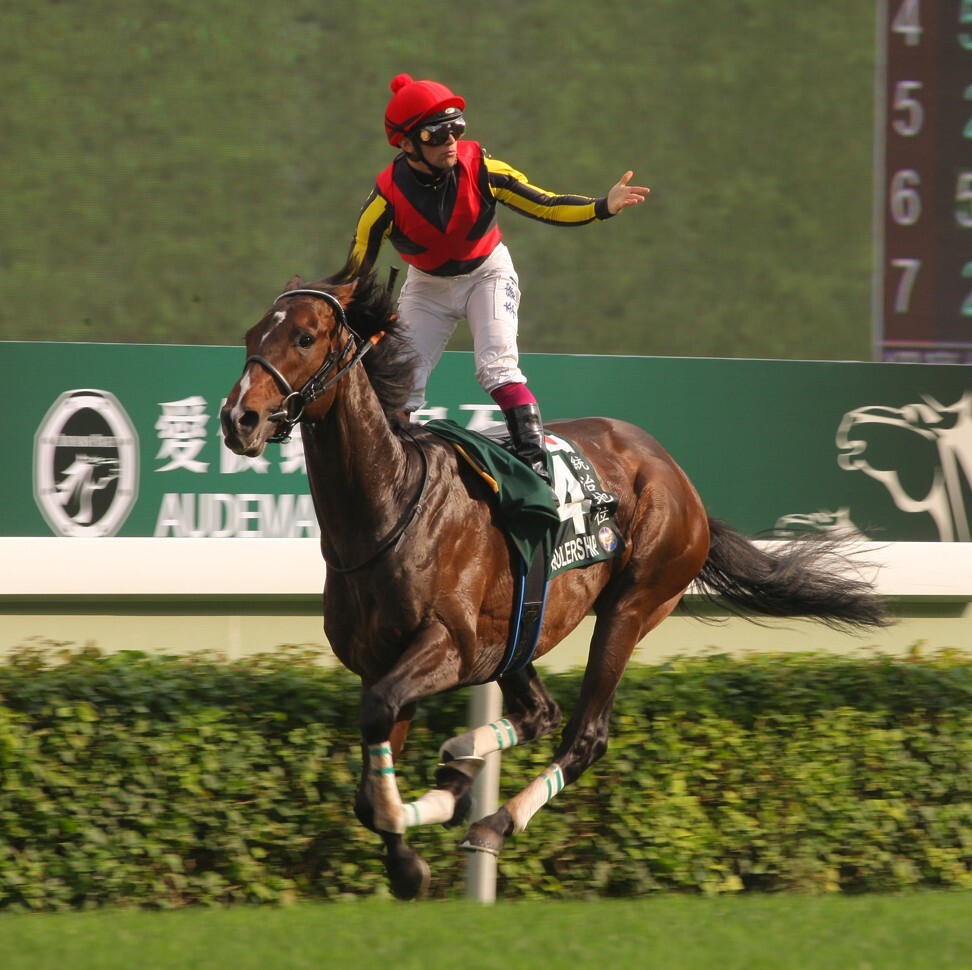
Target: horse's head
[(295, 355)]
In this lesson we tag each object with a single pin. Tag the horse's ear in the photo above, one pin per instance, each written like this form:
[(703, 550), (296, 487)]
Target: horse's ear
[(295, 284), (345, 292)]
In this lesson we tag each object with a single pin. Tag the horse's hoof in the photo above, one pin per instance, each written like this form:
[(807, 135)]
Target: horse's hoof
[(408, 875), (481, 838)]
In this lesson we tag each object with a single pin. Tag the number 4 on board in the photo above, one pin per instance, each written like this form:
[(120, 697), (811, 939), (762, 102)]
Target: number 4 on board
[(907, 22)]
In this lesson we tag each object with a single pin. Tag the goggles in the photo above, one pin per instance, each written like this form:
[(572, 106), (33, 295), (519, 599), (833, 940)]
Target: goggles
[(434, 135)]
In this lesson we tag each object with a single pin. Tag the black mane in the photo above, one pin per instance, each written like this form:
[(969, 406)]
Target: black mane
[(391, 364)]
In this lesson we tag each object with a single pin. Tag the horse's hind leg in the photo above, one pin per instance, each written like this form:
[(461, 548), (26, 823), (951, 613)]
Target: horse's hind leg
[(530, 713), (585, 738)]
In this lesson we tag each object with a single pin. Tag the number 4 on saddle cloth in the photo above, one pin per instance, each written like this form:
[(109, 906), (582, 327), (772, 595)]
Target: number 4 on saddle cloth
[(551, 532)]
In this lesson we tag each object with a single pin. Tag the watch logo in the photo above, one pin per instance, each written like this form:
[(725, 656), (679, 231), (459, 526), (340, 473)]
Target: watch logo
[(86, 464)]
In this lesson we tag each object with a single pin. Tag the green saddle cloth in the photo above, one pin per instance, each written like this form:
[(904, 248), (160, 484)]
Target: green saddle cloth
[(526, 504)]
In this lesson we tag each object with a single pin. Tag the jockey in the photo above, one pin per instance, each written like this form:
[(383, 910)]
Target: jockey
[(436, 202)]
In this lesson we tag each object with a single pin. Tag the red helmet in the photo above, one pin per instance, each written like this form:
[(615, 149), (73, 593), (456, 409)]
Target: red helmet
[(415, 101)]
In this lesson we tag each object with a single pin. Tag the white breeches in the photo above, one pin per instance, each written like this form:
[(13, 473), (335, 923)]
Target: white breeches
[(488, 298)]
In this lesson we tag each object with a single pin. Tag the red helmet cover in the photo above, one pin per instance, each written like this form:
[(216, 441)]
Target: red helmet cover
[(413, 101)]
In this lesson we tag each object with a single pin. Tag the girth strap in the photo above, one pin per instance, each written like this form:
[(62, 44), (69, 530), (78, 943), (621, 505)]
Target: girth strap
[(529, 600)]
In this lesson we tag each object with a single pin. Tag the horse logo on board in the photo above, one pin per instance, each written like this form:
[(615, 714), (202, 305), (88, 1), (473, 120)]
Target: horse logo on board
[(920, 453), (868, 442), (86, 464)]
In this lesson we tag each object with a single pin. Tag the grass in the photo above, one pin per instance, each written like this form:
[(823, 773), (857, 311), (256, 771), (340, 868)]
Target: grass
[(910, 932)]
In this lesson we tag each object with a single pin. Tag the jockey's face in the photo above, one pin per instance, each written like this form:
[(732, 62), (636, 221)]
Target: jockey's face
[(433, 160)]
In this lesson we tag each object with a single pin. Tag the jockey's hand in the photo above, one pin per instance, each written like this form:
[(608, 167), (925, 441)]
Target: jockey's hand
[(623, 195)]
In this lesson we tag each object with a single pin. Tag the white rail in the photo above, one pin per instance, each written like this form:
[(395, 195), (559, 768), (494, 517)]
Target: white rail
[(56, 568)]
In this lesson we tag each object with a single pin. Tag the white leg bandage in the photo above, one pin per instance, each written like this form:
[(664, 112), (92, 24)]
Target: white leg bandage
[(433, 808), (471, 748), (385, 798), (529, 801), (465, 753)]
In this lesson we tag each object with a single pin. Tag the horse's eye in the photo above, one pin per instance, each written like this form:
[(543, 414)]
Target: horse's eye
[(305, 340)]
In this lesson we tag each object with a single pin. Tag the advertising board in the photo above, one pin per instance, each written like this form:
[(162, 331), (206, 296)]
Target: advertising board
[(106, 439)]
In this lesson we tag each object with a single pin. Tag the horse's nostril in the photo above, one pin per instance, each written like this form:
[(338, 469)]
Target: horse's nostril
[(233, 425), (249, 420)]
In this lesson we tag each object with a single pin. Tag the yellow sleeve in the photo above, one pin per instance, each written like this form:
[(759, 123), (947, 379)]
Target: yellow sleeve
[(374, 225), (514, 190)]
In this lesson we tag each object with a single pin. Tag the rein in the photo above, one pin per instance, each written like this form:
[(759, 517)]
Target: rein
[(294, 404), (400, 527)]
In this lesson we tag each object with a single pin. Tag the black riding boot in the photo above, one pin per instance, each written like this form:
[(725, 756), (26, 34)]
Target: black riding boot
[(526, 433)]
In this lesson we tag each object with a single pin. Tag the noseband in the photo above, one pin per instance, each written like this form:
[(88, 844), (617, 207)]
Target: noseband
[(294, 404)]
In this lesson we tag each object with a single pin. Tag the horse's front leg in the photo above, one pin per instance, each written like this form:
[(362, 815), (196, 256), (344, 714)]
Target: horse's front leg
[(369, 789), (428, 666), (408, 873)]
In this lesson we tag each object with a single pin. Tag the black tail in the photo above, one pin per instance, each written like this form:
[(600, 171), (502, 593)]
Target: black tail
[(809, 577)]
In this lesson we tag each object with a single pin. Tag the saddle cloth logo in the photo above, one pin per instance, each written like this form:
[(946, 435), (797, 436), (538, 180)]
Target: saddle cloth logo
[(587, 532)]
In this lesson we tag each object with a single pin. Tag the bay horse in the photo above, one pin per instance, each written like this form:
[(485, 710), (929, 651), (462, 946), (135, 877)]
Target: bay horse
[(419, 587)]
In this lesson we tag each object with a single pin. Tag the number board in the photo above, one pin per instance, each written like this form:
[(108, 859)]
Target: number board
[(923, 208)]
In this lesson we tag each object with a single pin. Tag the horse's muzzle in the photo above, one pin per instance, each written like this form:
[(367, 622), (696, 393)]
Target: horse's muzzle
[(241, 431)]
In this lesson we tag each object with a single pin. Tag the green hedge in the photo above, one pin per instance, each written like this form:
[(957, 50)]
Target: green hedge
[(164, 781)]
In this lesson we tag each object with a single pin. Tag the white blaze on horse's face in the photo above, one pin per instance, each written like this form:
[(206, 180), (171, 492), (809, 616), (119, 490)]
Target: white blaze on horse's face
[(244, 389), (232, 417), (278, 318)]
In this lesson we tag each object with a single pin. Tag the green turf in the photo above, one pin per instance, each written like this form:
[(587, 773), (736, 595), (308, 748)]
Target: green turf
[(910, 932)]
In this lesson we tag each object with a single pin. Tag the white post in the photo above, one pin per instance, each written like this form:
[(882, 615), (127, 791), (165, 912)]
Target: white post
[(485, 706)]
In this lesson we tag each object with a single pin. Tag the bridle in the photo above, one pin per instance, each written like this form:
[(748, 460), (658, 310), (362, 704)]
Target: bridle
[(294, 404)]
